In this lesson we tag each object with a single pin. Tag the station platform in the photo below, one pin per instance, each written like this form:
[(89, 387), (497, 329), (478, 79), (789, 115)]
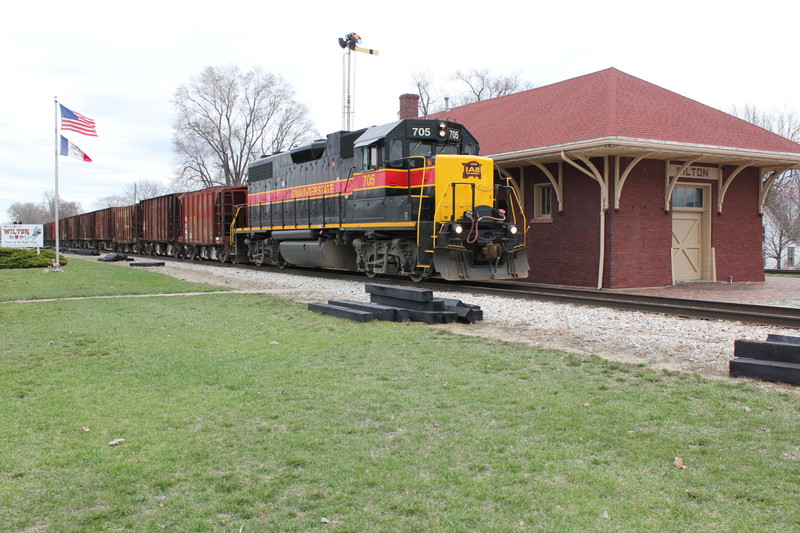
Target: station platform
[(776, 290)]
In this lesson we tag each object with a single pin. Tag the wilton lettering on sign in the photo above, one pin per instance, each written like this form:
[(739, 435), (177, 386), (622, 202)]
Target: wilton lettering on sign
[(704, 173)]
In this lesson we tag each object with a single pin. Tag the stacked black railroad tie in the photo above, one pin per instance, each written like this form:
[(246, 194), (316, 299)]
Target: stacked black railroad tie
[(399, 304), (777, 359)]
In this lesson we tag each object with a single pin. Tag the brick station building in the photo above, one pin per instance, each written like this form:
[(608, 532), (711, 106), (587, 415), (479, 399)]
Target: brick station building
[(627, 184)]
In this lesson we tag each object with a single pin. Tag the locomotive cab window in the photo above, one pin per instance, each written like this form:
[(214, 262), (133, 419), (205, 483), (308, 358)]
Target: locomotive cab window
[(369, 157), (447, 148), (395, 155), (419, 148)]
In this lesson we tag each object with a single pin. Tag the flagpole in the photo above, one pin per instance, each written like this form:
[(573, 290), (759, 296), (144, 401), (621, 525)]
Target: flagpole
[(58, 241)]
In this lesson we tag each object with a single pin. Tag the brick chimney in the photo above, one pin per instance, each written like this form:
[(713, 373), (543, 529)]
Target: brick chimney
[(409, 106)]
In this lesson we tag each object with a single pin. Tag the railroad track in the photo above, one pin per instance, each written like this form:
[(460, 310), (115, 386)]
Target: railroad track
[(782, 272), (704, 309)]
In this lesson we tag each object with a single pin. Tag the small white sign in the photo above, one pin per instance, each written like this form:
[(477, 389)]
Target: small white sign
[(22, 236)]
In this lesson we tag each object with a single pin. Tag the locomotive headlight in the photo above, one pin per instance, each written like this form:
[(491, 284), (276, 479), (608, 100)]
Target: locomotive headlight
[(458, 229), (512, 229)]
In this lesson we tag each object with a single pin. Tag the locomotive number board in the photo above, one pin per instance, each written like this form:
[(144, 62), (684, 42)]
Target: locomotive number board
[(430, 130)]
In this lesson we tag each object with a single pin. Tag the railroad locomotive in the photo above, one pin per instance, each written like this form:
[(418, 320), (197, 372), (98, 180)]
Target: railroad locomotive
[(408, 198)]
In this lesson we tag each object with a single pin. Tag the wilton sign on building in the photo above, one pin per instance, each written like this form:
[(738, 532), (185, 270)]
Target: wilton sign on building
[(22, 236)]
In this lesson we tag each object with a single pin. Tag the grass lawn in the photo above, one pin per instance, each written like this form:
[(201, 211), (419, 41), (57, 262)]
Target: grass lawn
[(81, 277), (249, 413)]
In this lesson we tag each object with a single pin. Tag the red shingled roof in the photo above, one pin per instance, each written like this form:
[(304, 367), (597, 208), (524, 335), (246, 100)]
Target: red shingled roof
[(608, 103)]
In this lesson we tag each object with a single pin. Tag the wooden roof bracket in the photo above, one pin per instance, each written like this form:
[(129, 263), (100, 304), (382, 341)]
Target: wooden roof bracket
[(670, 183), (619, 181), (558, 184), (602, 180), (765, 185), (724, 184), (592, 172)]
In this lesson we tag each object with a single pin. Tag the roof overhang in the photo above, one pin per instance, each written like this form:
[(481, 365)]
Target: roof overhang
[(664, 150)]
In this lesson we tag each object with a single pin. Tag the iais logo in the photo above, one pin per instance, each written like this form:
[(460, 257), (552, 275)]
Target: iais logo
[(471, 170)]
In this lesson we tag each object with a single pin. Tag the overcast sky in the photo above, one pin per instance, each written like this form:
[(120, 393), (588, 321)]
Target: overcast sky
[(120, 64)]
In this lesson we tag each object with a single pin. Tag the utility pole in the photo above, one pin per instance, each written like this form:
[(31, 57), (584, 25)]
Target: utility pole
[(350, 44)]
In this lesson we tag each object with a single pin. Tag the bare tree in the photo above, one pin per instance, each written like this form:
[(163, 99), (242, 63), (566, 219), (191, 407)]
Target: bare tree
[(481, 85), (782, 220), (784, 123), (137, 191), (27, 213), (44, 211), (115, 200), (429, 100), (225, 118), (782, 207), (65, 208)]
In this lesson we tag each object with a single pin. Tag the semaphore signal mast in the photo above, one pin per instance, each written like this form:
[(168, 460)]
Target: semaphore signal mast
[(350, 44)]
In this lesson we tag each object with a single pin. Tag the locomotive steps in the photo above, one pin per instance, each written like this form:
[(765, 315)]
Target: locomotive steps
[(399, 304)]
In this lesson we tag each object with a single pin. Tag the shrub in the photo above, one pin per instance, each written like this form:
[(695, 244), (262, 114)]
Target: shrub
[(26, 258)]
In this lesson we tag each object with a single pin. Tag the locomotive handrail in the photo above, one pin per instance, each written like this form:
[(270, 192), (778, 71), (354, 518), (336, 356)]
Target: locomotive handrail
[(454, 184), (513, 187), (344, 192), (233, 223), (421, 189)]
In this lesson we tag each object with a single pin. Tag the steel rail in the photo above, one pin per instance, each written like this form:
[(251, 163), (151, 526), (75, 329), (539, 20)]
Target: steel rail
[(685, 307)]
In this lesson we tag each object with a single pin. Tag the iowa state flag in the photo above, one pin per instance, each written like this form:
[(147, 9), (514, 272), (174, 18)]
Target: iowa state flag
[(70, 150)]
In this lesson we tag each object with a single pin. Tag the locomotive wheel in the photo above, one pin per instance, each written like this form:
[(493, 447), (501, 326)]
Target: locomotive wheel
[(259, 260), (281, 262), (419, 275), (369, 268), (224, 255)]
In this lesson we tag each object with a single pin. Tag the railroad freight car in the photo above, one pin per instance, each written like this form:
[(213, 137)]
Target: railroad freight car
[(103, 229), (160, 224), (69, 231), (409, 198), (205, 222), (85, 230), (127, 229), (50, 233)]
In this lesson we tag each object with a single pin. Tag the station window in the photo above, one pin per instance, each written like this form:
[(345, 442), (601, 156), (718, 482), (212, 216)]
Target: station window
[(543, 203), (687, 197), (790, 256)]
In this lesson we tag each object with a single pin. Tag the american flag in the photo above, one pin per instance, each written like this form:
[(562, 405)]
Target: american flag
[(72, 121)]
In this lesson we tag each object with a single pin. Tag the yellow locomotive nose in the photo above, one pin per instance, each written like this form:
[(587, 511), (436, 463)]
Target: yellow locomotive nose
[(462, 183)]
